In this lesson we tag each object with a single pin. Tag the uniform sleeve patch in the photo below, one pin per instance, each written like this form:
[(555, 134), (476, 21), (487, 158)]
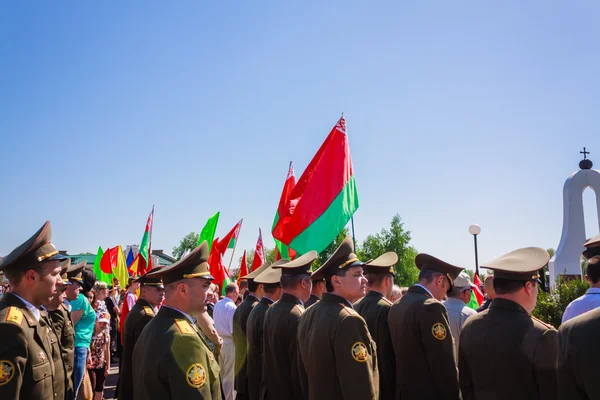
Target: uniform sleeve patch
[(185, 327), (359, 352), (148, 311), (7, 372), (439, 331), (14, 315), (195, 375)]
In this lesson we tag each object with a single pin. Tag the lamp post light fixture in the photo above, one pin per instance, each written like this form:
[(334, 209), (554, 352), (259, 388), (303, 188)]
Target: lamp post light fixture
[(475, 230)]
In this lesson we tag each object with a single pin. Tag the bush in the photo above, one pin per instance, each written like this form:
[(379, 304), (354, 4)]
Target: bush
[(551, 306)]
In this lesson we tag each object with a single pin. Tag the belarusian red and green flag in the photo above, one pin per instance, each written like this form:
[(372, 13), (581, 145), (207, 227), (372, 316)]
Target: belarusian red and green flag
[(143, 261), (324, 198), (282, 250), (232, 236)]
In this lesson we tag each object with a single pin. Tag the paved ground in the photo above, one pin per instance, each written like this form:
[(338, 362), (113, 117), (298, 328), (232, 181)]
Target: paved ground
[(111, 382)]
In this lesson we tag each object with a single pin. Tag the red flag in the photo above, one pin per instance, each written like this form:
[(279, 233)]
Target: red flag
[(324, 198), (243, 268), (229, 240), (288, 186), (477, 289), (259, 255), (217, 268), (109, 260)]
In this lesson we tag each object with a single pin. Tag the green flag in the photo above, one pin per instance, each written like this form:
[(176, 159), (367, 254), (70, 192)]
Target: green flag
[(100, 275), (208, 232), (473, 302)]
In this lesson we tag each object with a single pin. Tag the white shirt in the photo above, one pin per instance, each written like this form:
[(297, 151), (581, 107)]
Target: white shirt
[(34, 310), (458, 312), (131, 299), (585, 303), (223, 316)]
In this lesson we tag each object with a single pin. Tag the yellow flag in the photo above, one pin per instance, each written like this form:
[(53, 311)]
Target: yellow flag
[(120, 271)]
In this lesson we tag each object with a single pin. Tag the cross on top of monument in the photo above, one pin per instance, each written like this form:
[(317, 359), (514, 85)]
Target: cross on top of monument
[(586, 163)]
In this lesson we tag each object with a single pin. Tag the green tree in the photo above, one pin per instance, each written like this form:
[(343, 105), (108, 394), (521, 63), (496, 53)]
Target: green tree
[(325, 254), (189, 242), (395, 239), (551, 306)]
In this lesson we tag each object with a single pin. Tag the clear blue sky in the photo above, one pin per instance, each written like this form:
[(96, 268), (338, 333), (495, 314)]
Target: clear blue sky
[(457, 112)]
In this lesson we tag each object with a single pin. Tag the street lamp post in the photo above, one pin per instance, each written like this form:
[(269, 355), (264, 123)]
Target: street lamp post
[(475, 230)]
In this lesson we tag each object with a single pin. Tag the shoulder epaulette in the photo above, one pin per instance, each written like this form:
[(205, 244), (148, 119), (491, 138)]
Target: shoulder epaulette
[(148, 311), (387, 301), (349, 310), (299, 308), (14, 315), (185, 327), (542, 322)]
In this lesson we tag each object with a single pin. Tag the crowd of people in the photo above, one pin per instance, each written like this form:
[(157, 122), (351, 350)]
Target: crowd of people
[(343, 331)]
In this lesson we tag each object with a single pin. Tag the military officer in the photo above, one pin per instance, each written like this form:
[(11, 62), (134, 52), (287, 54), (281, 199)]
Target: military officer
[(62, 324), (336, 350), (578, 356), (504, 352), (152, 294), (269, 278), (171, 359), (240, 319), (26, 368), (281, 378), (421, 337), (318, 288), (374, 308)]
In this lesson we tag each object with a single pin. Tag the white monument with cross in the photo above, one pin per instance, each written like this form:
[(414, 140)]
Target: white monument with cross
[(567, 260)]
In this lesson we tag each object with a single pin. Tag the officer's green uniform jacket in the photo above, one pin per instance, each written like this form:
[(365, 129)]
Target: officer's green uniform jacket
[(337, 352), (374, 308), (254, 330), (138, 317), (424, 348), (504, 353), (240, 319), (63, 326), (312, 300), (172, 361), (59, 382), (579, 357), (26, 367), (281, 378)]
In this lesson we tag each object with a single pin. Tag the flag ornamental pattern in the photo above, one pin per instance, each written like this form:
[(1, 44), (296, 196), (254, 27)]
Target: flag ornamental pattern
[(259, 256), (290, 181), (243, 269), (324, 198)]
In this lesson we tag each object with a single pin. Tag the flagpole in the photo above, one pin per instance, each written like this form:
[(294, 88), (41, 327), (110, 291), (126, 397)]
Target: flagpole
[(232, 253), (353, 237)]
